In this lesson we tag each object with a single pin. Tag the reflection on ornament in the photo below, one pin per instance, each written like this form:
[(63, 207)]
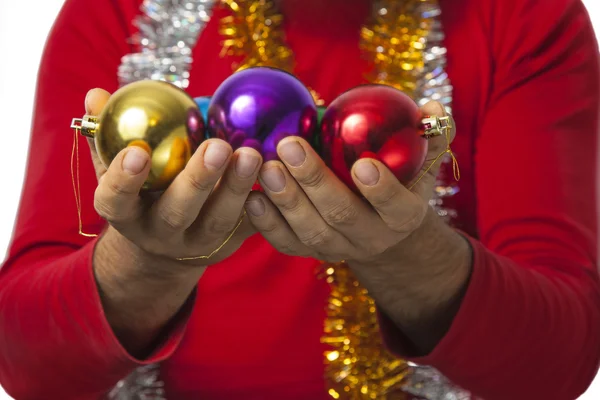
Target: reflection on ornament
[(373, 121), (258, 107), (156, 116)]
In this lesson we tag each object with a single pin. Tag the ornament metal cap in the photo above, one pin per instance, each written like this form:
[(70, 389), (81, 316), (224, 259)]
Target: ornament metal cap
[(87, 126), (435, 126)]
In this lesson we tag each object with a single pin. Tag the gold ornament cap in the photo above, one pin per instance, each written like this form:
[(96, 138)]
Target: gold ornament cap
[(435, 126), (87, 126)]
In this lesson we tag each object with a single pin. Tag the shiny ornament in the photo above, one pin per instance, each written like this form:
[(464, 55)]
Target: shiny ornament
[(153, 115), (258, 107), (373, 121)]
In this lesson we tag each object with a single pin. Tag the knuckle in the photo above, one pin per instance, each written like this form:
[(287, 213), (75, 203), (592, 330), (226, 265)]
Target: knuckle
[(103, 209), (291, 205), (316, 238), (174, 219), (237, 190), (107, 210), (411, 223), (343, 213), (117, 188), (314, 178), (383, 197), (198, 184), (216, 225), (270, 229)]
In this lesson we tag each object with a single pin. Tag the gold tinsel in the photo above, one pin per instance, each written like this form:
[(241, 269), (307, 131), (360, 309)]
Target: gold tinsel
[(254, 31), (357, 364), (395, 41)]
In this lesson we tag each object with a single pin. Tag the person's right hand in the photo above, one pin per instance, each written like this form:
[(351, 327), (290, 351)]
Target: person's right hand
[(197, 212)]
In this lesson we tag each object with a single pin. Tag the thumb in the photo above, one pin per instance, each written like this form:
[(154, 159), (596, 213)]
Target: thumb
[(95, 100)]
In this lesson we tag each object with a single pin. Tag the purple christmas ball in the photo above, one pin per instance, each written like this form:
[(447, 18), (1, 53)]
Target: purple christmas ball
[(258, 107)]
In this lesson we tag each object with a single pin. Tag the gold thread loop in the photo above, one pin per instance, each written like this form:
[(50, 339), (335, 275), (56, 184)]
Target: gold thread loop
[(75, 178), (215, 251), (448, 150)]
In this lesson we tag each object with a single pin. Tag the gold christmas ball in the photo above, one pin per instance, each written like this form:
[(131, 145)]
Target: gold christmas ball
[(154, 115)]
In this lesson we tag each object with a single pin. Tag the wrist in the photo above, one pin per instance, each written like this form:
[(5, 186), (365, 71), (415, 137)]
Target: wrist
[(131, 280), (423, 276), (140, 292)]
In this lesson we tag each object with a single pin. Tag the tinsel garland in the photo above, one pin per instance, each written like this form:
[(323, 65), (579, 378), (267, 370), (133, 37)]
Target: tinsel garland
[(404, 41), (358, 365), (168, 31)]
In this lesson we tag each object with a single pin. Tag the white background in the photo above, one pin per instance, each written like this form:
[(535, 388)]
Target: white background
[(23, 29)]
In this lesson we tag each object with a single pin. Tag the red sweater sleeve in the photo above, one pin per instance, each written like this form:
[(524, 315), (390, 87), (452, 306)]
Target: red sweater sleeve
[(55, 341), (529, 324)]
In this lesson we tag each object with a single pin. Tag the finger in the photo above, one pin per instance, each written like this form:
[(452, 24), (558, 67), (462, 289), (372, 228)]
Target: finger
[(300, 213), (95, 101), (222, 210), (337, 205), (267, 220), (179, 206), (437, 151), (117, 197), (401, 210)]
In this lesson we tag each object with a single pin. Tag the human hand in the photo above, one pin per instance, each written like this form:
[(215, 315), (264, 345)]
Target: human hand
[(194, 216), (307, 211)]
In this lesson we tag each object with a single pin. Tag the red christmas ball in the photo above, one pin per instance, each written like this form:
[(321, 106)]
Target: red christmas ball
[(373, 121)]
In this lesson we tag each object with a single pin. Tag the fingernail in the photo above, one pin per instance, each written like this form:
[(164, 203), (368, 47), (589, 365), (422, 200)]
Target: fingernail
[(246, 164), (273, 179), (215, 155), (367, 173), (256, 207), (292, 153), (135, 160)]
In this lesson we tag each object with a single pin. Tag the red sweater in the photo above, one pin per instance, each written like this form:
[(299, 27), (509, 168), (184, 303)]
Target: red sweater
[(526, 103)]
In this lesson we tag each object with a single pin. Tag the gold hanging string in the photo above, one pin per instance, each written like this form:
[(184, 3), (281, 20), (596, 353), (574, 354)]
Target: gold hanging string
[(448, 150), (75, 179), (215, 251)]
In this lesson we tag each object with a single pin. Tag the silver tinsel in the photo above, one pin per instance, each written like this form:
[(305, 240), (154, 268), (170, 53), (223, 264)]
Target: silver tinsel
[(427, 383), (168, 31), (141, 384)]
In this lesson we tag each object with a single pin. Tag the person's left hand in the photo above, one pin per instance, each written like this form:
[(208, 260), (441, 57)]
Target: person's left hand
[(307, 211)]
